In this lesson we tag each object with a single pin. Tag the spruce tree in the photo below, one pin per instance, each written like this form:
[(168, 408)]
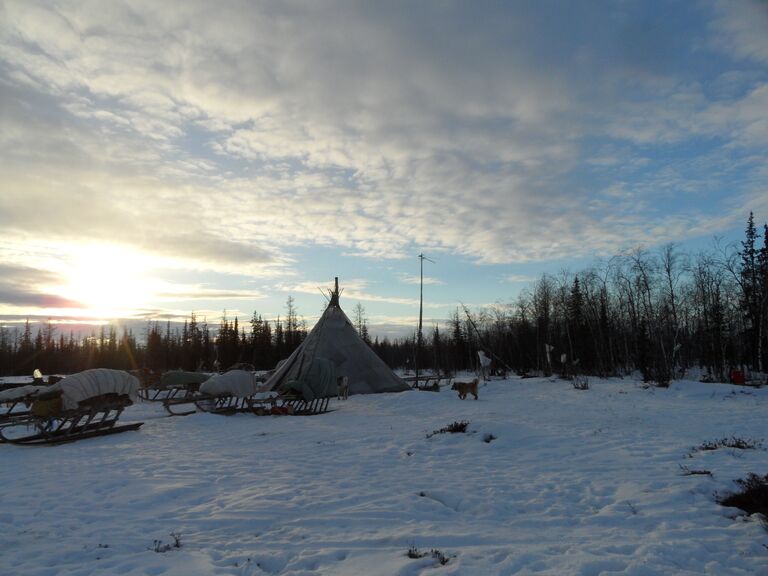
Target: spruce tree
[(750, 292), (762, 281)]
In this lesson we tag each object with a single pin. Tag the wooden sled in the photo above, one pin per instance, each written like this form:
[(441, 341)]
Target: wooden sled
[(179, 394), (224, 404), (186, 401), (301, 407), (16, 402), (173, 386), (227, 404), (240, 391), (14, 410), (153, 394), (184, 396), (46, 423), (429, 382)]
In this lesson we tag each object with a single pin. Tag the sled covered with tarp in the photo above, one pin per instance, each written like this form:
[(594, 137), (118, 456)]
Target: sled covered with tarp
[(240, 391), (83, 405), (228, 393), (173, 385)]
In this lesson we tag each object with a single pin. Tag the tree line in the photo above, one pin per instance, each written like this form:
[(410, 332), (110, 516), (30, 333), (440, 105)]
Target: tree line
[(659, 312), (193, 345)]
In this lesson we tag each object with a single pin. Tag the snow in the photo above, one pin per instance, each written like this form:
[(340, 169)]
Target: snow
[(576, 482)]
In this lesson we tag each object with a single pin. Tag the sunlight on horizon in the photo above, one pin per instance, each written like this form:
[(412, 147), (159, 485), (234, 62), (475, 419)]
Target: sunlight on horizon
[(107, 280)]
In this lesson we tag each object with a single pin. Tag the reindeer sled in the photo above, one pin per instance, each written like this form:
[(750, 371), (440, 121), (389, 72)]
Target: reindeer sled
[(239, 391), (228, 393), (16, 398), (15, 402), (177, 385), (83, 405)]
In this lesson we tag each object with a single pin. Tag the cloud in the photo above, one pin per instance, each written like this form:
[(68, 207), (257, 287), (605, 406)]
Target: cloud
[(354, 289), (519, 279), (413, 279), (220, 137), (195, 292), (20, 287), (740, 28), (19, 296)]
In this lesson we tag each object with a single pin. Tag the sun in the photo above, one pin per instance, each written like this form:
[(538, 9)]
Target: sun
[(108, 281)]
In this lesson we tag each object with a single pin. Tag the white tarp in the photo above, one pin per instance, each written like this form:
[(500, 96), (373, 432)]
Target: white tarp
[(21, 392), (84, 385), (235, 383)]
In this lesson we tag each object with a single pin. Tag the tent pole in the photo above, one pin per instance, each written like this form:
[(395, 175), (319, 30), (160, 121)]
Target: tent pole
[(421, 299), (419, 338)]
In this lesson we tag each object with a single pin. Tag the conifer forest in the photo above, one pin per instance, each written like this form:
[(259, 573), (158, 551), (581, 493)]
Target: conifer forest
[(659, 312)]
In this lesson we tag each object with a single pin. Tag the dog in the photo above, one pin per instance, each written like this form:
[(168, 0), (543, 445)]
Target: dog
[(464, 388), (343, 384)]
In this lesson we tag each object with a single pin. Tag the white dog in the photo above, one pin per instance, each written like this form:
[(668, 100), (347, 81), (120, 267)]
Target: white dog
[(343, 384)]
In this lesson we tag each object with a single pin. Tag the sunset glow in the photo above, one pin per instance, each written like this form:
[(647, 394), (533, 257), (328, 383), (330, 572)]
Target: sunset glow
[(108, 281)]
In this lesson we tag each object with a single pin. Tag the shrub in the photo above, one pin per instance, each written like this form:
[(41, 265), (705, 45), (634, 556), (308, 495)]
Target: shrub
[(160, 547), (753, 497), (454, 428), (439, 556), (732, 442), (688, 472), (415, 554)]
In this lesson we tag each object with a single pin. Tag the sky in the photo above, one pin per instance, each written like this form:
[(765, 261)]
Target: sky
[(162, 158)]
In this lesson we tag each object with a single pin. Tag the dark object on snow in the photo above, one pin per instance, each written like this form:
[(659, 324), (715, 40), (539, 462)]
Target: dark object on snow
[(737, 377)]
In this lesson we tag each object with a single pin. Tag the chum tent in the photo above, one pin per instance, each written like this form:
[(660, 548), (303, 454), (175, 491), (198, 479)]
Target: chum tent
[(334, 338)]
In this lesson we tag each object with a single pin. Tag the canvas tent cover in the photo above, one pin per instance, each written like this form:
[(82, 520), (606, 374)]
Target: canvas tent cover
[(318, 382), (335, 338), (235, 383), (90, 383)]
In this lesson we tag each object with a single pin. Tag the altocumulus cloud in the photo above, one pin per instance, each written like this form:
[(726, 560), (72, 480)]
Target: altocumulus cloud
[(222, 133)]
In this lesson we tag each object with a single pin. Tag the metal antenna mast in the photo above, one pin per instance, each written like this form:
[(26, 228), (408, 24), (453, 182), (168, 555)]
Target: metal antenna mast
[(421, 308)]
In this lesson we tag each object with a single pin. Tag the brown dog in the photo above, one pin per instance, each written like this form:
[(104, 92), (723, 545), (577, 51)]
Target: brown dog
[(465, 388)]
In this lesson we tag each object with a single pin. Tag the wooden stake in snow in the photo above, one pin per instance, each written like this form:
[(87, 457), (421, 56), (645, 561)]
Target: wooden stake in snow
[(480, 338)]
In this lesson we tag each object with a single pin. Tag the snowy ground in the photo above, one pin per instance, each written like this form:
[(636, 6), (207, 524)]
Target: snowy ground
[(575, 483)]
